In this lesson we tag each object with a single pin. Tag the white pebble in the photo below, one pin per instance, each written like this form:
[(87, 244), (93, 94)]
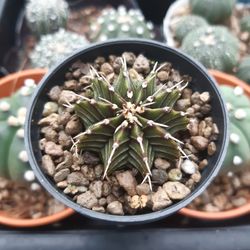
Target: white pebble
[(23, 156), (234, 138), (29, 175), (4, 106), (237, 160), (189, 167)]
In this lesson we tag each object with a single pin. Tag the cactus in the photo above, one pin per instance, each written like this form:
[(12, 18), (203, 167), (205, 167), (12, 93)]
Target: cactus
[(54, 47), (238, 106), (45, 17), (187, 24), (120, 24), (243, 70), (213, 10), (245, 24), (13, 156), (214, 46), (130, 122), (4, 108)]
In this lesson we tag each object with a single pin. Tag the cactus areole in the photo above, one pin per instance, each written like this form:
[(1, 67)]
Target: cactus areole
[(120, 143), (130, 122)]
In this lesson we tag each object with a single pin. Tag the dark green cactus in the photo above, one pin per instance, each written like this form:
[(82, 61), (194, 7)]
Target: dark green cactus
[(120, 24), (45, 16), (238, 105), (243, 71), (187, 24), (245, 23), (131, 121), (214, 46), (213, 10)]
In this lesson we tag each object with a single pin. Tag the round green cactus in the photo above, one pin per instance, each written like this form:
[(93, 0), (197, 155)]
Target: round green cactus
[(54, 47), (213, 10), (238, 105), (187, 24), (4, 108), (13, 156), (245, 23), (214, 46), (46, 16), (120, 24), (243, 71)]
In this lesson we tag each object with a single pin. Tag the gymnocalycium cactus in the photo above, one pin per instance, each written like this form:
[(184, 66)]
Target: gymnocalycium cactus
[(238, 105), (187, 24), (213, 10), (14, 161), (214, 46), (120, 24), (131, 122), (45, 17), (54, 47), (243, 70), (245, 23)]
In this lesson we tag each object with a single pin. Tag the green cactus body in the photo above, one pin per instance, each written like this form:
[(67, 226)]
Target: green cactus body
[(45, 16), (214, 46), (4, 108), (245, 23), (187, 24), (238, 106), (55, 47), (243, 71), (131, 121), (213, 10), (120, 24)]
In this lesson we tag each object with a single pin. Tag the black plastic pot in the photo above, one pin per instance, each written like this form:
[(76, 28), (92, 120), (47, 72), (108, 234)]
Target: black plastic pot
[(153, 50)]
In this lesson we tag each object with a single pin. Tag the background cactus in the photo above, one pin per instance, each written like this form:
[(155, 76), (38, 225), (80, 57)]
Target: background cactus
[(245, 23), (131, 122), (14, 162), (45, 17), (243, 71), (214, 46), (213, 10), (54, 47), (120, 24), (238, 106), (187, 24)]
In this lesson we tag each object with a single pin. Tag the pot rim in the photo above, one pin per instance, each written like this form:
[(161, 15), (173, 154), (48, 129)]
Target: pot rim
[(4, 217), (126, 219), (225, 79)]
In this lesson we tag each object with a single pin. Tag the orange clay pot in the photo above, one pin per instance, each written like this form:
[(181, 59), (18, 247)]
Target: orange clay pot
[(222, 78), (8, 85)]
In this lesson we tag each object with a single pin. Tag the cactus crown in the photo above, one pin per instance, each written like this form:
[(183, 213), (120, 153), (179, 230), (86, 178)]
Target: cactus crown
[(131, 121)]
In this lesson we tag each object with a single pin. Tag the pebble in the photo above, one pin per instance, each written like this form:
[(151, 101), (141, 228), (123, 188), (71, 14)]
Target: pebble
[(211, 149), (70, 189), (245, 179), (137, 201), (127, 181), (64, 139), (62, 184), (193, 126), (183, 104), (203, 164), (61, 175), (143, 189), (67, 162), (211, 208), (90, 158), (99, 209), (174, 174), (74, 126), (50, 108), (159, 176), (200, 142), (50, 134), (205, 97), (115, 208), (87, 200), (196, 177), (189, 167), (160, 200), (53, 149), (163, 76), (96, 188), (67, 96), (78, 179), (88, 172), (102, 201), (106, 188), (111, 198), (161, 164), (54, 93), (98, 170), (129, 57), (48, 165), (176, 190), (82, 189), (107, 69), (141, 64), (238, 201)]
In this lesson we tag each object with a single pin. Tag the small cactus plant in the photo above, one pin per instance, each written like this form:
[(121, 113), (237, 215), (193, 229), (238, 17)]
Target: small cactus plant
[(131, 122), (214, 46), (45, 17), (120, 24), (243, 70), (14, 163), (54, 47), (213, 10), (238, 106), (187, 24), (245, 24)]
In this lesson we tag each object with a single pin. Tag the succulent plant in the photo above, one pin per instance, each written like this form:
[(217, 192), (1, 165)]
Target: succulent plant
[(45, 17), (214, 46), (131, 121), (243, 70), (186, 24), (214, 11), (238, 106), (120, 23), (245, 23), (14, 163), (54, 47)]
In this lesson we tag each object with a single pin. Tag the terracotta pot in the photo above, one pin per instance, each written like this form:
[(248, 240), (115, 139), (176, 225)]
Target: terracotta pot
[(8, 85), (222, 78)]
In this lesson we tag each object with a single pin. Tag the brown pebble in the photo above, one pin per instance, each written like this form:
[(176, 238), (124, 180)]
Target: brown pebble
[(163, 76), (74, 126), (199, 142), (159, 176), (127, 181), (77, 178), (141, 64), (53, 149), (61, 175), (99, 209), (176, 190), (143, 189), (96, 188), (87, 200), (107, 69), (211, 148), (161, 164), (115, 207), (160, 200), (54, 93), (48, 165)]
